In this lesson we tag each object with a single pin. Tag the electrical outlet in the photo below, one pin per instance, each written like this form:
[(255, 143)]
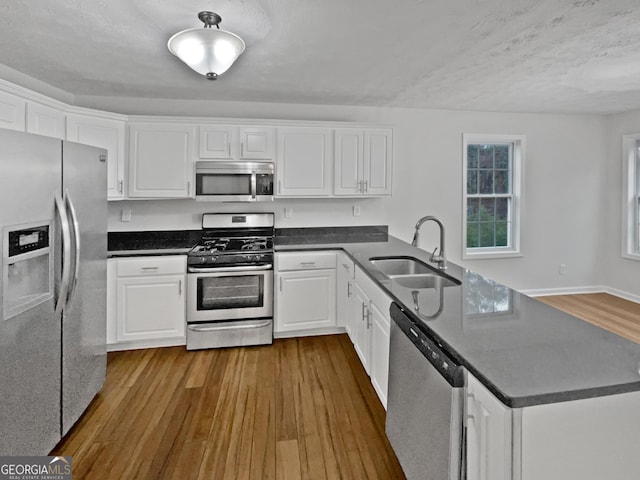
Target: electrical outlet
[(288, 212), (356, 210), (125, 215), (562, 270)]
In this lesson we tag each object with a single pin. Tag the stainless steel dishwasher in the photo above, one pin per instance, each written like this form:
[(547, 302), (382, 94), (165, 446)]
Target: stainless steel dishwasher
[(424, 406)]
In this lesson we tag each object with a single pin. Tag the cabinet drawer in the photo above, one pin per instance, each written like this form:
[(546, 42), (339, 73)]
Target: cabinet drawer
[(161, 265), (305, 260)]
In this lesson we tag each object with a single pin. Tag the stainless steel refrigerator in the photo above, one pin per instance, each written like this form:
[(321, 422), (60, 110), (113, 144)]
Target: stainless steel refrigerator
[(53, 211)]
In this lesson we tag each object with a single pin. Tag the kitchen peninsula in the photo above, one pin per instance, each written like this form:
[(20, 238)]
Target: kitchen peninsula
[(560, 395), (557, 397)]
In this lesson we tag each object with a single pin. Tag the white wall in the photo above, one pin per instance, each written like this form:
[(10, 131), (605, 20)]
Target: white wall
[(619, 273), (563, 188)]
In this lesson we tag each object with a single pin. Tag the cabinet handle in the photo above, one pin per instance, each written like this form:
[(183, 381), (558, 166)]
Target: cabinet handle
[(279, 186), (149, 268), (366, 186), (241, 149), (348, 289), (280, 283), (368, 315), (307, 264), (188, 189), (180, 287), (360, 186), (120, 186)]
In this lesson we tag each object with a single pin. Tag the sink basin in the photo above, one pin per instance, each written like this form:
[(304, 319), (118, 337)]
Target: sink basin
[(427, 280), (412, 273), (392, 266)]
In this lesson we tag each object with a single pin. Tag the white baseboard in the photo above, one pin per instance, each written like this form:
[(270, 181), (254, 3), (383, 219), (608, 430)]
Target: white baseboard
[(622, 294), (543, 292)]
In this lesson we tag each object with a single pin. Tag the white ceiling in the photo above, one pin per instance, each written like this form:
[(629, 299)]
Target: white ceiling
[(579, 56)]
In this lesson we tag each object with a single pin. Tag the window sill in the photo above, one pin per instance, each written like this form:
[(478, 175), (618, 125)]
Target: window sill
[(489, 255), (631, 256)]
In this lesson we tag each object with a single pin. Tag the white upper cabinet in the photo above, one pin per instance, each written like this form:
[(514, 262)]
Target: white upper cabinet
[(232, 142), (304, 162), (45, 120), (161, 160), (363, 161), (104, 133), (12, 112), (378, 155)]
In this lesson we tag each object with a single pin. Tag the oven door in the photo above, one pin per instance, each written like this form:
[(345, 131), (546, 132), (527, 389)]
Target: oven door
[(229, 294)]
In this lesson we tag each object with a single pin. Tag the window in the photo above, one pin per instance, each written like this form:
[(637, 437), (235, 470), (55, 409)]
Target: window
[(631, 197), (492, 195)]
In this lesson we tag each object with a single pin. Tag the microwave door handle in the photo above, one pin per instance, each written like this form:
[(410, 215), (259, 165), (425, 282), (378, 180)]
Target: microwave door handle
[(254, 186)]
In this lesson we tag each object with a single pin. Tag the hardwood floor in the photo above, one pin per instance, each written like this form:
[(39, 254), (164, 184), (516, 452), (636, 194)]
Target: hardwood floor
[(302, 408), (615, 314)]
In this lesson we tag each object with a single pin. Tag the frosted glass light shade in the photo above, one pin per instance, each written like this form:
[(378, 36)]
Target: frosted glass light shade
[(207, 50)]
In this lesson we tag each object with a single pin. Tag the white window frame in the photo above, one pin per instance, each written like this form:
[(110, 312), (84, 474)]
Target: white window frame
[(518, 143), (630, 196)]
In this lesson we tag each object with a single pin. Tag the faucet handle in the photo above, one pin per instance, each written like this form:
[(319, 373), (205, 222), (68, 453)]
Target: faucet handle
[(433, 258)]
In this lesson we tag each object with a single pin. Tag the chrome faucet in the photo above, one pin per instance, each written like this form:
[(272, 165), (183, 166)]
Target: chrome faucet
[(441, 258)]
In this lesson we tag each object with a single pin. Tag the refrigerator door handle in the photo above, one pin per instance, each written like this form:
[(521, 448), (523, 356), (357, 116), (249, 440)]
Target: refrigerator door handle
[(66, 253), (76, 235)]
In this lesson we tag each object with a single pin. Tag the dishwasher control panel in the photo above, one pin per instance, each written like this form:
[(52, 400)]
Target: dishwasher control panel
[(447, 367)]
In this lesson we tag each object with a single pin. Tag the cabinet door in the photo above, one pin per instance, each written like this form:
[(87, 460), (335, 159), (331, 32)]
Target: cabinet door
[(379, 355), (345, 276), (304, 162), (349, 155), (378, 152), (216, 141), (107, 134), (306, 300), (161, 161), (45, 120), (489, 428), (361, 326), (256, 143), (150, 307), (12, 112)]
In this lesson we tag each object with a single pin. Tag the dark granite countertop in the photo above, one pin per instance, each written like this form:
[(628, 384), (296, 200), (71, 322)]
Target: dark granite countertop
[(151, 242), (524, 351)]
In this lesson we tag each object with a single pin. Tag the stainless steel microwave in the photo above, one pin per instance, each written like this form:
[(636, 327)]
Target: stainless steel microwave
[(234, 181)]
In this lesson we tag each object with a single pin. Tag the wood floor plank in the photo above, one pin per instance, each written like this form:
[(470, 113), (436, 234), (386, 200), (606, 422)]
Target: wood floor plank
[(287, 460), (609, 312), (302, 408)]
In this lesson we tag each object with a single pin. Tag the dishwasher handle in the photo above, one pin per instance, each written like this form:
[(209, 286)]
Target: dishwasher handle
[(433, 352)]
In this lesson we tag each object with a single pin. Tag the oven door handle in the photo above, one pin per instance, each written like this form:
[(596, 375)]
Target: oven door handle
[(247, 268), (195, 328)]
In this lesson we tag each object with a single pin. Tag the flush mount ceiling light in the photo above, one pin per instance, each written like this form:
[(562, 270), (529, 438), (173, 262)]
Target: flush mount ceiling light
[(208, 51)]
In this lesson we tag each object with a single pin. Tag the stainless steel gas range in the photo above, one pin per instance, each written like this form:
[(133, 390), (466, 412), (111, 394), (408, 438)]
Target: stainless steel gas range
[(230, 282)]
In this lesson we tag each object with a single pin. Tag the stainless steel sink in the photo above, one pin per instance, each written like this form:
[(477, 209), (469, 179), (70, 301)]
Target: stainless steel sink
[(426, 280), (412, 273)]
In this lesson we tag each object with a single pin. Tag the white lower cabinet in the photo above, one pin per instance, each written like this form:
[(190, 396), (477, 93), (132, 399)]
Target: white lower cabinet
[(305, 293), (345, 275), (379, 351), (489, 428), (149, 301), (587, 439), (368, 325), (360, 325)]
